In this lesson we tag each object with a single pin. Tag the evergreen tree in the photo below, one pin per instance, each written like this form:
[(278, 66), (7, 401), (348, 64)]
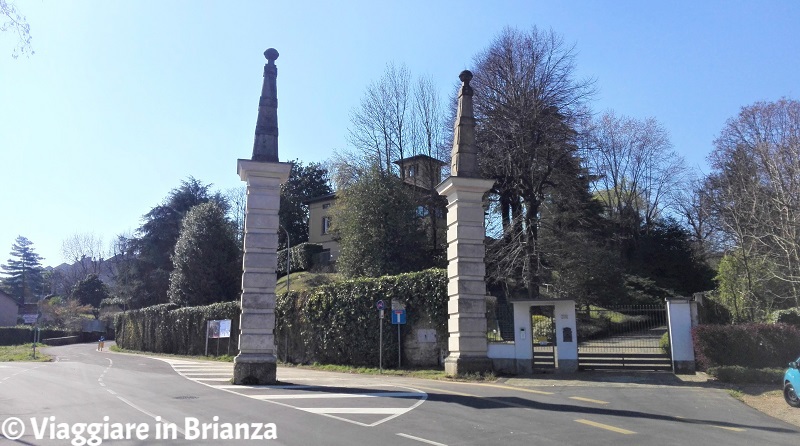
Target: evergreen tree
[(148, 257), (90, 291), (378, 229), (304, 183), (207, 264), (24, 272)]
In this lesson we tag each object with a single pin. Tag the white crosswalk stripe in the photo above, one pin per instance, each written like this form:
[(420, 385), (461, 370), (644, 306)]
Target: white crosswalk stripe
[(386, 401)]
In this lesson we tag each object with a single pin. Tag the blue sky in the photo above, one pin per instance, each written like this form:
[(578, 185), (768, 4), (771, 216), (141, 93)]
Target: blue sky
[(124, 99)]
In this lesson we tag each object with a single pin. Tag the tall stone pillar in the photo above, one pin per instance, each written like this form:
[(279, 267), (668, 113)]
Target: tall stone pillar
[(256, 362), (466, 269)]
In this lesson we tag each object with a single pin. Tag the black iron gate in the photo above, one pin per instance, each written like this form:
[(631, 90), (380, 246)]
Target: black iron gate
[(543, 336), (623, 337)]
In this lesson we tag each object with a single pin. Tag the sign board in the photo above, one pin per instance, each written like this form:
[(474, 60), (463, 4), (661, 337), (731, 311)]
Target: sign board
[(399, 316), (30, 318), (426, 335), (219, 329), (380, 305), (398, 305)]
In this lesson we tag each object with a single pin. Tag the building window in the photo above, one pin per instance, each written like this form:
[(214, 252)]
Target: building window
[(411, 171), (326, 225)]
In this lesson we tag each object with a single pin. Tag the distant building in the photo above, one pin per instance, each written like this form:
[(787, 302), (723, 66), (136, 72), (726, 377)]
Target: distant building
[(319, 225), (9, 310), (421, 172)]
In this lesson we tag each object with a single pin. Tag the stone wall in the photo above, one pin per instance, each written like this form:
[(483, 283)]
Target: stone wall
[(422, 347)]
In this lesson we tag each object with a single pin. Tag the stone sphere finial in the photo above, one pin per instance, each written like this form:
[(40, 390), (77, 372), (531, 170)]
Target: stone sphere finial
[(271, 54), (465, 76)]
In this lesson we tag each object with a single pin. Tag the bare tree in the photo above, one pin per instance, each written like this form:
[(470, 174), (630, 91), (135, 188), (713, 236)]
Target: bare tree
[(16, 23), (428, 122), (527, 104), (690, 203), (636, 170), (380, 127), (84, 254), (754, 193), (236, 197)]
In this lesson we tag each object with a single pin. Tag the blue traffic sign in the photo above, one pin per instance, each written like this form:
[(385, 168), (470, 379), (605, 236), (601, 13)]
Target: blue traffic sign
[(380, 305), (399, 316)]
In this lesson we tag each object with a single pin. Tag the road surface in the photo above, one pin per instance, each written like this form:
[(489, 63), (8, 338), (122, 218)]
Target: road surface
[(135, 399)]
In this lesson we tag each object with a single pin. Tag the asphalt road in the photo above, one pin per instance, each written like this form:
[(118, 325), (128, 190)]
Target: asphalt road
[(169, 400)]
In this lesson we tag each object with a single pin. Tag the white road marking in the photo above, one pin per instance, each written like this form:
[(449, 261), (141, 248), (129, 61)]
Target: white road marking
[(411, 437), (155, 417), (197, 372), (337, 395), (355, 410)]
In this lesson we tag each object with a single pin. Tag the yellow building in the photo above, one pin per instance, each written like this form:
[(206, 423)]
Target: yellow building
[(421, 172)]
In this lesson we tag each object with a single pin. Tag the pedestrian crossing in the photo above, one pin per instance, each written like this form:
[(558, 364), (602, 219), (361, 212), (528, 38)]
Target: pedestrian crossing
[(332, 396)]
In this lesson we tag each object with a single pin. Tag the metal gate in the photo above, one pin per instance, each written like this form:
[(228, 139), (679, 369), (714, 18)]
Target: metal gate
[(622, 337), (543, 336)]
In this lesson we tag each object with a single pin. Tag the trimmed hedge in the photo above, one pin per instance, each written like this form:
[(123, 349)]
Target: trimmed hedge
[(748, 345), (24, 334), (338, 323), (166, 328), (301, 259)]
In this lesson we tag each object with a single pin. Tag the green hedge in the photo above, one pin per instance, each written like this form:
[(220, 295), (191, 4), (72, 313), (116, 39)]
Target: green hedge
[(166, 328), (338, 323), (301, 259), (747, 345), (23, 334)]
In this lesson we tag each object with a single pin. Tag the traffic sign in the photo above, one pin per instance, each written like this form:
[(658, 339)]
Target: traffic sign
[(399, 316), (380, 305)]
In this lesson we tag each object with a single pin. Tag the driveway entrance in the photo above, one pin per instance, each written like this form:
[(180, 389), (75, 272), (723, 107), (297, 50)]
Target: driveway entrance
[(623, 337)]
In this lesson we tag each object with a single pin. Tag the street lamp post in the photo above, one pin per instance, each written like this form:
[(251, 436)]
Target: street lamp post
[(288, 256), (288, 259)]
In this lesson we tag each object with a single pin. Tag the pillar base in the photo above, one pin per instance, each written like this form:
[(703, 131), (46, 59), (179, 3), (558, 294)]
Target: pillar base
[(683, 367), (255, 370), (466, 365)]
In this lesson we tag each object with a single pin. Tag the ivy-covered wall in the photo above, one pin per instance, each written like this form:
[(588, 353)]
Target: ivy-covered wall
[(333, 324), (168, 329), (339, 324)]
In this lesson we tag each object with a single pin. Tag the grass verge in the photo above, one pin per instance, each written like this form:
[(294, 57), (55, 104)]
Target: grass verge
[(24, 352), (223, 358), (745, 375), (411, 373)]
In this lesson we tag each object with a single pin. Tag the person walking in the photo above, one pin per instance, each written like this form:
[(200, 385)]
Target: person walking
[(101, 343)]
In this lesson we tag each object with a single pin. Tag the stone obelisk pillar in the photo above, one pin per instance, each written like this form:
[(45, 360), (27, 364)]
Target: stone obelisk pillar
[(256, 362), (466, 270)]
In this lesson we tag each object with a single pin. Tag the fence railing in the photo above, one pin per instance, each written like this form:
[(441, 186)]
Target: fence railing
[(500, 328)]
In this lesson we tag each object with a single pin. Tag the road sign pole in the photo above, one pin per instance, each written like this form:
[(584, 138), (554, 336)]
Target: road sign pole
[(399, 346), (206, 338), (380, 305)]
